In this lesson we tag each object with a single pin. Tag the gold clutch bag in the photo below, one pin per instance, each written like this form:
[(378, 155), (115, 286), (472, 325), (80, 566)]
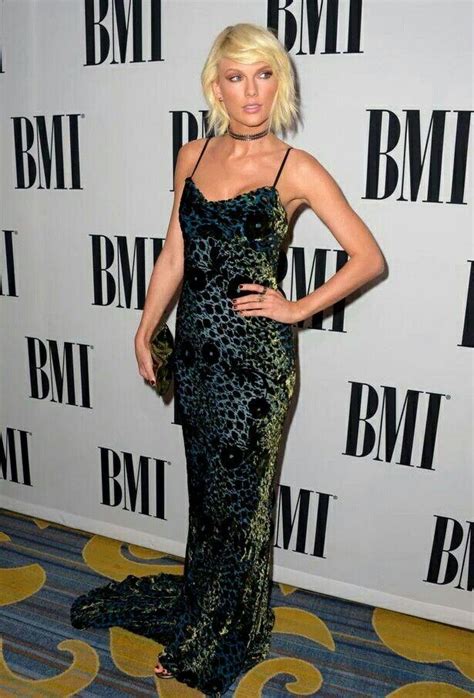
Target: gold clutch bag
[(162, 348)]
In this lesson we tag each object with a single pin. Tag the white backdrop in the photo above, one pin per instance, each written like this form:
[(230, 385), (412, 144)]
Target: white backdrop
[(375, 496)]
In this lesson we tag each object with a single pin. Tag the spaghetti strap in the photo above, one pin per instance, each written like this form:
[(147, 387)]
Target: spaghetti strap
[(281, 166), (201, 154)]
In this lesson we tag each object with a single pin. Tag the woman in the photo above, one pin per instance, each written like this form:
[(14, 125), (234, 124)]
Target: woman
[(234, 360)]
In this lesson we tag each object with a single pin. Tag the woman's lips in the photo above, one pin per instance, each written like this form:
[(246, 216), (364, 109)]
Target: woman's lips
[(254, 107)]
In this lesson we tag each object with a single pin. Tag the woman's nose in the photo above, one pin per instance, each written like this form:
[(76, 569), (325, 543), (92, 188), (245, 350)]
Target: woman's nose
[(251, 90)]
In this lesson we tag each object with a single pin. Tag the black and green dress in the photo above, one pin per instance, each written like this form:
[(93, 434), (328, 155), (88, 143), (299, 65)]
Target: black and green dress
[(234, 379)]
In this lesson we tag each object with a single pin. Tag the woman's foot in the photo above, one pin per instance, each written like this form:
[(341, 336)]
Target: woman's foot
[(161, 672)]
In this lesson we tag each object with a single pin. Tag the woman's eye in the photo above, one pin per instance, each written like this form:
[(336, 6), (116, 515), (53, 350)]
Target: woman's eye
[(265, 72)]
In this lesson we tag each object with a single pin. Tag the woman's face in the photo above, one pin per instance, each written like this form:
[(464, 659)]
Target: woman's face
[(243, 84)]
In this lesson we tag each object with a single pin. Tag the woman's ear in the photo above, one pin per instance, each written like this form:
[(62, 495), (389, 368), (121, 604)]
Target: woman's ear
[(215, 88)]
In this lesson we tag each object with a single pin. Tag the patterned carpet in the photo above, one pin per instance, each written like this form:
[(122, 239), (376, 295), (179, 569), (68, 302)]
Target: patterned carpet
[(322, 646)]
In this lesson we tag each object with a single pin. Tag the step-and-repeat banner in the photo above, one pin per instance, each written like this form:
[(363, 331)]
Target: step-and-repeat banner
[(375, 498)]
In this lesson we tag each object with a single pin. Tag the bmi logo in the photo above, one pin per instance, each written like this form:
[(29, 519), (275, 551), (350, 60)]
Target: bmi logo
[(304, 524), (120, 31), (415, 156), (59, 371), (328, 25), (15, 456), (119, 269), (391, 426), (131, 482), (7, 268), (468, 328), (452, 559), (301, 286), (47, 151)]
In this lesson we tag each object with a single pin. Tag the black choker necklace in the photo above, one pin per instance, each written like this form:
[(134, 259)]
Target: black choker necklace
[(247, 136)]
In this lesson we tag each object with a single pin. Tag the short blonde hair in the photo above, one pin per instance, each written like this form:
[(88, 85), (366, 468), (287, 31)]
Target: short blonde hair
[(249, 43)]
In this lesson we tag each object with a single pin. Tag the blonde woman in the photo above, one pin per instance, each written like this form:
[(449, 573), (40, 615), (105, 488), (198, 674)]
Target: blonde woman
[(235, 193)]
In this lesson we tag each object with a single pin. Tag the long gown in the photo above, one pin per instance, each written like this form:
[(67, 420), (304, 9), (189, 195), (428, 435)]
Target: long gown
[(234, 378)]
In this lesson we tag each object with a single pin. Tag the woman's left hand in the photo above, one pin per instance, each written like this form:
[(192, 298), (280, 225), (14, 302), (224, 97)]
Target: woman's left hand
[(272, 304)]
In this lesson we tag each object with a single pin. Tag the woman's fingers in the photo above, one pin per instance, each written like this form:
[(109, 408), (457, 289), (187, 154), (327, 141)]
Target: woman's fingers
[(147, 364), (242, 301), (156, 363), (255, 301)]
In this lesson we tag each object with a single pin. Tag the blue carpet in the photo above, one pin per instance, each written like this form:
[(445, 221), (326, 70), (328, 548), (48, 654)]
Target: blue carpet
[(321, 645)]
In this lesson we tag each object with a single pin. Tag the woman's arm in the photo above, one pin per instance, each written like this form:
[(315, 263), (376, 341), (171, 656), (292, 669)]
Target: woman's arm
[(168, 269), (167, 272), (321, 192), (310, 183)]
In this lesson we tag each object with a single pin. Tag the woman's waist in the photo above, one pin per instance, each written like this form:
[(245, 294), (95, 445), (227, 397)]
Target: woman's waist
[(254, 336), (225, 281)]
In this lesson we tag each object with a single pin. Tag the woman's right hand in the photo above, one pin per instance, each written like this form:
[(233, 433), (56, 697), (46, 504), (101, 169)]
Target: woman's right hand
[(144, 359)]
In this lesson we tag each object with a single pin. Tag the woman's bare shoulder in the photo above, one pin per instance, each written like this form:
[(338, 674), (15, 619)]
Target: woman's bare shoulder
[(303, 157), (188, 154), (307, 178), (192, 147), (306, 164)]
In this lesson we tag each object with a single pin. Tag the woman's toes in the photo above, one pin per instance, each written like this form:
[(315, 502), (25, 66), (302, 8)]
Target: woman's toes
[(159, 669)]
